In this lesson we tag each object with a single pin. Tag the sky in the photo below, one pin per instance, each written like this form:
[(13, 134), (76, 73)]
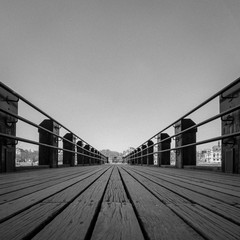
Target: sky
[(117, 72)]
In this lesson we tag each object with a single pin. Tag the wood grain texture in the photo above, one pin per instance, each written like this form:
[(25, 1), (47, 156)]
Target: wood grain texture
[(11, 208), (24, 223), (115, 191), (19, 191), (229, 211), (76, 219), (158, 220), (223, 194), (117, 221), (96, 202), (209, 224)]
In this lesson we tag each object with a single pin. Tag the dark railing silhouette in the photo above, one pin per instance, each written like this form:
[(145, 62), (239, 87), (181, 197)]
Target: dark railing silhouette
[(185, 135), (75, 149)]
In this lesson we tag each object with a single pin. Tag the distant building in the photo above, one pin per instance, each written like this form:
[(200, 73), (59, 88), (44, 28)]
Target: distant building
[(213, 155)]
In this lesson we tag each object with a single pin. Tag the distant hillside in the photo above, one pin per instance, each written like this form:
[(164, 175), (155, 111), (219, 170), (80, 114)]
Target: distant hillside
[(110, 154)]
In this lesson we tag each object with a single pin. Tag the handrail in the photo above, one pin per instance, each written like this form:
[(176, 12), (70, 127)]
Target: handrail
[(40, 127), (44, 145), (87, 151), (196, 108), (200, 124), (194, 144), (39, 110), (137, 153)]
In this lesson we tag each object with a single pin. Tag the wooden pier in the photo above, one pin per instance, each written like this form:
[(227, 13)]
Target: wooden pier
[(119, 202)]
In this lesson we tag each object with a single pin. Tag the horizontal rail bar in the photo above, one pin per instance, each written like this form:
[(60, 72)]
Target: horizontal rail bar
[(196, 108), (40, 127), (39, 110), (192, 144), (188, 145), (45, 145), (196, 125)]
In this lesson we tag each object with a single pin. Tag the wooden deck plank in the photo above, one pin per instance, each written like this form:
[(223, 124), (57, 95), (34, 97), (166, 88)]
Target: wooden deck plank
[(142, 203), (158, 220), (33, 218), (209, 224), (36, 186), (76, 220), (67, 194), (13, 207), (116, 219), (115, 191), (228, 211), (207, 176), (224, 195), (23, 224), (230, 187), (38, 177)]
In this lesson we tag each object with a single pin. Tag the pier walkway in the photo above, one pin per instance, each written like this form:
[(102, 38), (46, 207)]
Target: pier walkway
[(119, 202)]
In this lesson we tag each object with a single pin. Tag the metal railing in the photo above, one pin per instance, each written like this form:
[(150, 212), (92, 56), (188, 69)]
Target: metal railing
[(8, 131), (137, 155)]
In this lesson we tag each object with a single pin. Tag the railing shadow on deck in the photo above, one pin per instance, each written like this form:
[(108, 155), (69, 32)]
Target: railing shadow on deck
[(74, 150), (159, 146)]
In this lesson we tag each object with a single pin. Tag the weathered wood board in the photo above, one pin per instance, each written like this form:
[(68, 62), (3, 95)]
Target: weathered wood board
[(119, 202), (203, 220), (116, 219)]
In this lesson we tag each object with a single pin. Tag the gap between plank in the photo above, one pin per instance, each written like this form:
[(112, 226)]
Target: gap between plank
[(145, 235), (42, 225)]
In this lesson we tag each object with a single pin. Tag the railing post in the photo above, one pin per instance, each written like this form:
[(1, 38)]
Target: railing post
[(230, 124), (150, 151), (99, 158), (163, 157), (135, 156), (185, 156), (93, 155), (95, 160), (87, 158), (80, 158), (139, 156), (144, 152), (9, 103), (47, 155), (90, 156), (132, 158), (96, 155), (69, 157)]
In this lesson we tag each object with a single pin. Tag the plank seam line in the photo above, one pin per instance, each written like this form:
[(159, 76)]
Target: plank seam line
[(193, 185), (188, 188), (184, 220), (193, 202), (37, 202), (97, 211), (54, 215), (200, 176), (52, 184), (186, 178), (144, 232)]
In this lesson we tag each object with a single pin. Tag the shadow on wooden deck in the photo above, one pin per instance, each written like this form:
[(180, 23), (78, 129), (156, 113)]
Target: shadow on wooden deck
[(119, 202)]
